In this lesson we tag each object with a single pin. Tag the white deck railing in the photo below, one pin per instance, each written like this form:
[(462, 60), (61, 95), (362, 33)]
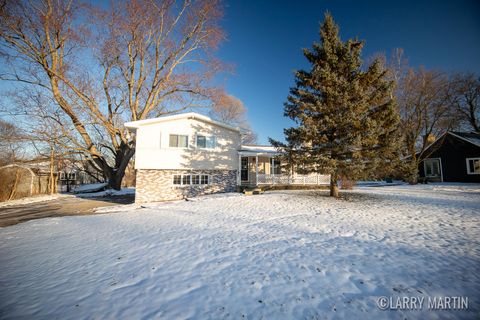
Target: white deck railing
[(298, 179)]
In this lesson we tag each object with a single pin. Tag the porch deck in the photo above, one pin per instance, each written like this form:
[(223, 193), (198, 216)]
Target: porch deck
[(260, 166), (296, 179)]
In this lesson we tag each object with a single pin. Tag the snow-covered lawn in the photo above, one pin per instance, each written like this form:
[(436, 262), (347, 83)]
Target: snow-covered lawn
[(281, 255)]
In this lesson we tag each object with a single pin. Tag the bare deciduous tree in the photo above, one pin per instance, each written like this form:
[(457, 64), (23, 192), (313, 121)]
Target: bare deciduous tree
[(231, 110), (423, 103), (465, 99), (10, 147), (102, 67)]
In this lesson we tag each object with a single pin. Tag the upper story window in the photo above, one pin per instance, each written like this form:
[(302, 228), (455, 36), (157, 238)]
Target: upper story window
[(473, 165), (178, 141), (205, 142)]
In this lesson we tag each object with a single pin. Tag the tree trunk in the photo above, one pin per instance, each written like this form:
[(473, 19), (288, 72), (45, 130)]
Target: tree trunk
[(115, 180), (122, 158), (334, 186), (412, 172), (51, 180)]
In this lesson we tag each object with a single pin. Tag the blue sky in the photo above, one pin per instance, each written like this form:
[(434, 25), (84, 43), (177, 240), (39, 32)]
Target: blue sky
[(265, 39)]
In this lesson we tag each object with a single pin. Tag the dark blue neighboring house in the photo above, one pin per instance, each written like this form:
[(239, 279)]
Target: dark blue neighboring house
[(454, 157)]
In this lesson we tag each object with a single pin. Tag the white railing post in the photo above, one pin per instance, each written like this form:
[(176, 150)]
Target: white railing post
[(272, 169), (256, 170)]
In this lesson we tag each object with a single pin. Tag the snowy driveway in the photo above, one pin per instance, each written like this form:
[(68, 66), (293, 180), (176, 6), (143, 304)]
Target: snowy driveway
[(61, 206), (281, 255)]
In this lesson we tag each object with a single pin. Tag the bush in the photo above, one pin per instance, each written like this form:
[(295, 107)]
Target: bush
[(347, 184)]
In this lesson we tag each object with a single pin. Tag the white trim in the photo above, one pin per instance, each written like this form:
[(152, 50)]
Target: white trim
[(189, 115), (439, 139), (260, 154), (239, 171), (468, 167), (258, 148), (256, 169), (425, 168), (464, 139)]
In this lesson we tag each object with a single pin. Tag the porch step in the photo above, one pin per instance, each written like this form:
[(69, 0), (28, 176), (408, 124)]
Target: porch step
[(249, 192)]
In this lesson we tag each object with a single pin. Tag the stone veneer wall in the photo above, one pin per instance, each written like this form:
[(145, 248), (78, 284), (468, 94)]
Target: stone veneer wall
[(157, 185)]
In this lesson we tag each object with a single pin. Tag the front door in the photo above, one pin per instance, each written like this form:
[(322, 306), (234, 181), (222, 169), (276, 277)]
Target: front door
[(244, 169), (433, 169)]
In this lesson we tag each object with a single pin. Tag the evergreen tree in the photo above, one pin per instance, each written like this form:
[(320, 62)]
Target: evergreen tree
[(346, 115)]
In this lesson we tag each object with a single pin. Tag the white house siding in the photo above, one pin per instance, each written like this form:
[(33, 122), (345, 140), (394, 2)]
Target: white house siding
[(153, 151), (157, 184), (156, 162)]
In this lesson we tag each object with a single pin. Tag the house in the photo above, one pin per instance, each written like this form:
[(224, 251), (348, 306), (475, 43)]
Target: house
[(189, 154), (454, 157), (70, 172)]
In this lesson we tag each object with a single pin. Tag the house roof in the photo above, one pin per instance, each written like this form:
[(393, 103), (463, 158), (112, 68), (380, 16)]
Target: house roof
[(133, 125), (472, 137), (254, 150)]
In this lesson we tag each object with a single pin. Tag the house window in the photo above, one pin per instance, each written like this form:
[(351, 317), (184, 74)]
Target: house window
[(473, 165), (68, 176), (190, 179), (432, 168), (177, 179), (178, 141), (205, 142), (276, 169), (196, 179), (186, 179), (201, 142)]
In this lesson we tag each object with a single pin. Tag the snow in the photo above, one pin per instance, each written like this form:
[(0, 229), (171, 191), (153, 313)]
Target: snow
[(259, 149), (398, 186), (280, 255), (92, 187), (34, 199), (107, 193)]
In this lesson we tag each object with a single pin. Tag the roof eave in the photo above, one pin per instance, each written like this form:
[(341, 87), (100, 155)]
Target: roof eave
[(133, 125)]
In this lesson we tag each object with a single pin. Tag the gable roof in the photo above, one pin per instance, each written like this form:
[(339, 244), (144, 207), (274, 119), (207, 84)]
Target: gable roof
[(258, 148), (472, 137), (133, 125)]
